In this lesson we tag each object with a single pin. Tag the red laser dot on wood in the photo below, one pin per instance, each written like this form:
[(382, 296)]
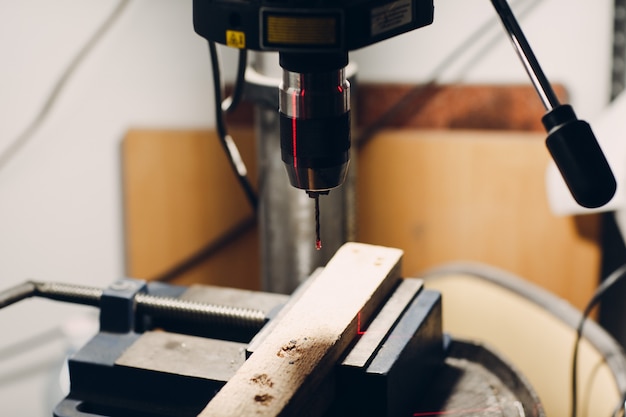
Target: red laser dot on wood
[(358, 325)]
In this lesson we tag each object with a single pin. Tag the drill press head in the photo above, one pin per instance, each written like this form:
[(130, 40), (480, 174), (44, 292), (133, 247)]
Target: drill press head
[(313, 39)]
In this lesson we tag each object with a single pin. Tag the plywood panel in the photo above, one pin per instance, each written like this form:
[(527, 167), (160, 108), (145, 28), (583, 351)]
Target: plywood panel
[(180, 196), (438, 195), (473, 195), (450, 194), (451, 106)]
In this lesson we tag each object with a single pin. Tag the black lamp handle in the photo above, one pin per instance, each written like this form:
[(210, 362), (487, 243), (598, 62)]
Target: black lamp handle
[(571, 142)]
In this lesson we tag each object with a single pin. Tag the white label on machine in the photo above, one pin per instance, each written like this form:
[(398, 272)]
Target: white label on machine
[(391, 16)]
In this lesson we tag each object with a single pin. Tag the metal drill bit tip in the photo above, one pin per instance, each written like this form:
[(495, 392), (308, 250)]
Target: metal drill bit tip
[(316, 196), (318, 238)]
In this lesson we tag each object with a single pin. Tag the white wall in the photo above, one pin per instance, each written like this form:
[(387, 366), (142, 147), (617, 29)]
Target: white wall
[(60, 196), (571, 39)]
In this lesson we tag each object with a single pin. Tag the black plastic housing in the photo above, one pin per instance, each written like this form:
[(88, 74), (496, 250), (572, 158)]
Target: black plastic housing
[(349, 24), (317, 156), (578, 156)]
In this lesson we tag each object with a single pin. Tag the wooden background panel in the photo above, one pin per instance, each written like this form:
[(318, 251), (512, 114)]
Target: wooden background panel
[(438, 195), (180, 196), (450, 194), (479, 196), (452, 106)]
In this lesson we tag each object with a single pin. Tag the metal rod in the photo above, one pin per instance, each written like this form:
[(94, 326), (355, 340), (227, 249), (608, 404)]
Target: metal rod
[(181, 309), (17, 293), (70, 293), (162, 307), (526, 55)]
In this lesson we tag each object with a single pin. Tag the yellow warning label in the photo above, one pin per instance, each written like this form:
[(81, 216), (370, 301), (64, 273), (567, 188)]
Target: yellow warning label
[(302, 30), (235, 39)]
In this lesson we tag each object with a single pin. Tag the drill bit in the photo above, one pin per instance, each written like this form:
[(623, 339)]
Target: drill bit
[(318, 238), (316, 196)]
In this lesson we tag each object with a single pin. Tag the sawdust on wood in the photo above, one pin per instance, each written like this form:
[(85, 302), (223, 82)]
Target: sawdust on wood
[(262, 379), (290, 350), (263, 399)]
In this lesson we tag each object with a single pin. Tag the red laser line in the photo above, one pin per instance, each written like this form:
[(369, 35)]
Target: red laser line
[(457, 412), (294, 131), (358, 325)]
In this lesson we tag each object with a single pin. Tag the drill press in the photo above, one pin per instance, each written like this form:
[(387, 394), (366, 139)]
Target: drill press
[(313, 40)]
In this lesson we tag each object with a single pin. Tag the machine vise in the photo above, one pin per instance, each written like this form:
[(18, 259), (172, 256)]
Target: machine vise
[(354, 339)]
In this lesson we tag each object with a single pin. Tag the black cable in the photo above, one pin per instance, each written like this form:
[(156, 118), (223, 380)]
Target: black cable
[(615, 277), (234, 157), (230, 103)]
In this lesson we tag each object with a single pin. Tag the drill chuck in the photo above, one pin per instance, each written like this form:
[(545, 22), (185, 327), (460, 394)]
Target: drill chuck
[(315, 120)]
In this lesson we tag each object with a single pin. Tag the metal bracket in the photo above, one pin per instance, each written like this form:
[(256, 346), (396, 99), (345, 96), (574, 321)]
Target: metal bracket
[(118, 305)]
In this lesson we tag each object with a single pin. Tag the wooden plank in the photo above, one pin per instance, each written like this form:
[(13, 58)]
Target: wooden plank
[(259, 338), (284, 375)]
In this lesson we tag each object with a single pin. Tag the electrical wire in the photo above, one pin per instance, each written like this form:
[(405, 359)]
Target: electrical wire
[(615, 277), (26, 135), (231, 102), (227, 142)]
